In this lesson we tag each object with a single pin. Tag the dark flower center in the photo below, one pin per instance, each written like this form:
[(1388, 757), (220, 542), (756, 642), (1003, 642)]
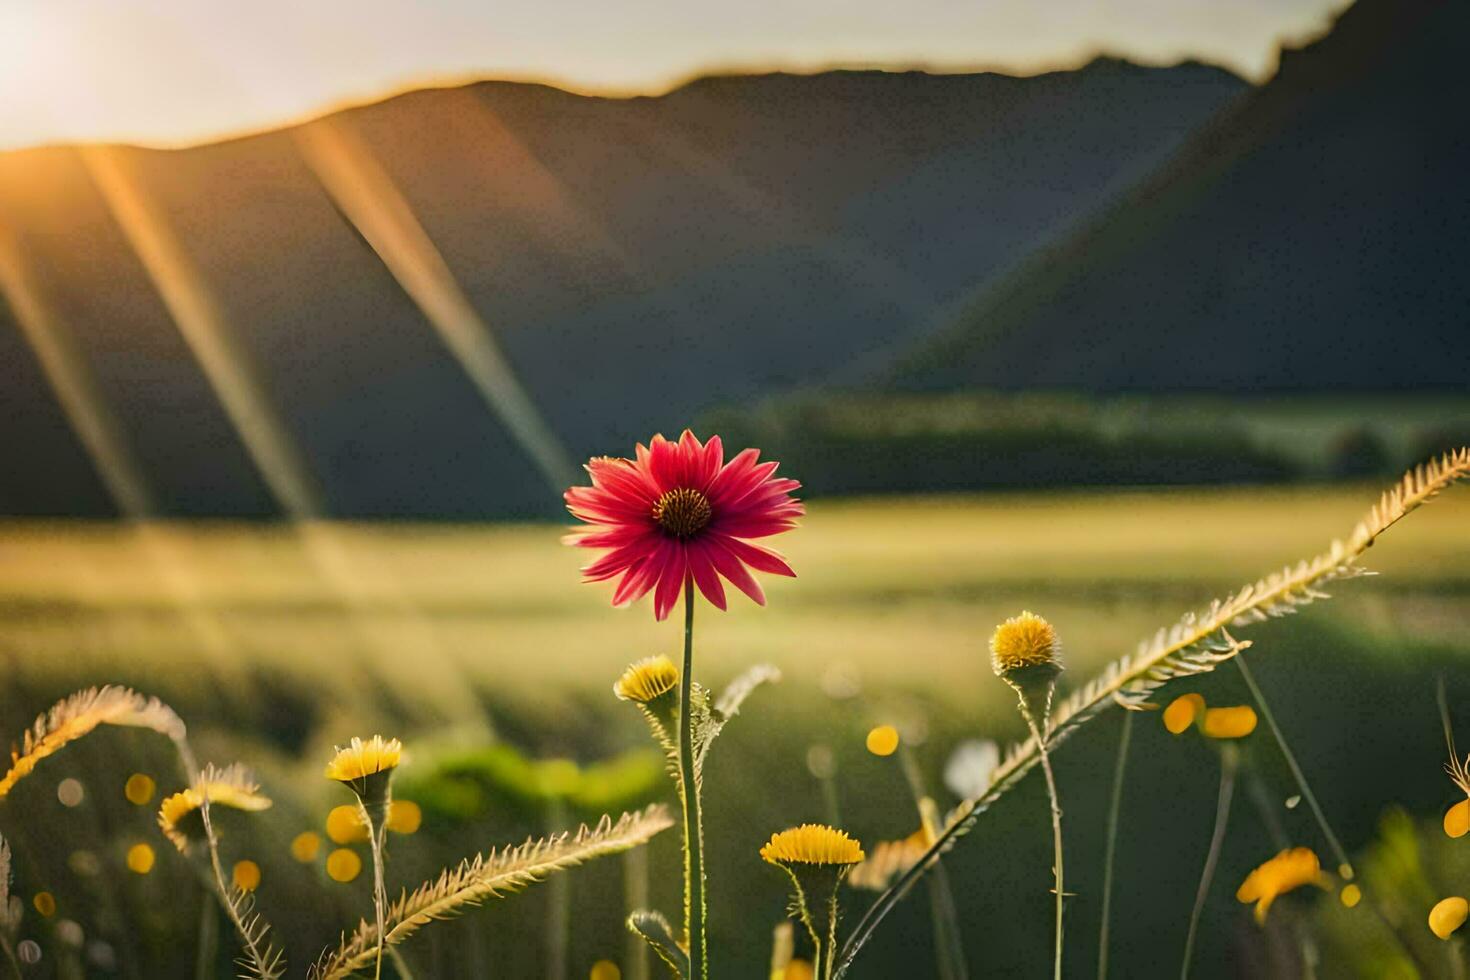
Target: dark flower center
[(682, 512)]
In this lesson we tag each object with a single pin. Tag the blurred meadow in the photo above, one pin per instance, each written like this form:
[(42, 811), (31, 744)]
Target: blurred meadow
[(271, 641)]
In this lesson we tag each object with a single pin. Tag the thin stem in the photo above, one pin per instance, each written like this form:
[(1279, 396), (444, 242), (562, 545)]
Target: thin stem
[(831, 802), (951, 951), (694, 906), (558, 920), (399, 963), (1229, 761), (948, 949), (208, 926), (635, 896), (1344, 866), (1110, 850), (377, 830), (1044, 756), (826, 973), (10, 957)]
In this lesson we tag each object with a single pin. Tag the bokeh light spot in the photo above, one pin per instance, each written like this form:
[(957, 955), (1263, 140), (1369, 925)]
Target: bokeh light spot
[(343, 865), (883, 740), (140, 859), (139, 789), (306, 846), (246, 876)]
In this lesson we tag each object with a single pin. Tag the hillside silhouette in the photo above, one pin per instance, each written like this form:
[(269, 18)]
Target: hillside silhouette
[(1312, 237), (638, 261)]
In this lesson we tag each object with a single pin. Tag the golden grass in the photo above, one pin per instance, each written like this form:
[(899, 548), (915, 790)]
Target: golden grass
[(488, 876)]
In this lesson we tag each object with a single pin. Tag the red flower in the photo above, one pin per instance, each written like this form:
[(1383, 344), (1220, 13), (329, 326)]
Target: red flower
[(677, 512)]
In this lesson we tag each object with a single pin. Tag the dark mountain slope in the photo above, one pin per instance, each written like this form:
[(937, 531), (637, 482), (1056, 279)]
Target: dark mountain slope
[(1313, 237), (638, 260)]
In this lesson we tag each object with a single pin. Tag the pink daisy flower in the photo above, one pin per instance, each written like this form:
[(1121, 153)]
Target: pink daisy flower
[(679, 512)]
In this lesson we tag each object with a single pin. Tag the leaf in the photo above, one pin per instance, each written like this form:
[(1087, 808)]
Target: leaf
[(654, 929), (713, 720), (260, 959)]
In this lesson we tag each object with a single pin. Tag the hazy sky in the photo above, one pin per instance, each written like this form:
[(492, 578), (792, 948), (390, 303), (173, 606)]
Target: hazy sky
[(179, 70)]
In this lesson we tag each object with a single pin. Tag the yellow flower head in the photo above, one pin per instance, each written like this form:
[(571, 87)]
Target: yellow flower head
[(1457, 819), (363, 759), (647, 679), (1024, 641), (1447, 916), (1182, 712), (1287, 871), (1236, 722), (179, 817), (812, 844)]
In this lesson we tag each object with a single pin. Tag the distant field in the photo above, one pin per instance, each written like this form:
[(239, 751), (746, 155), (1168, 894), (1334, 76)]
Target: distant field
[(880, 583), (273, 642)]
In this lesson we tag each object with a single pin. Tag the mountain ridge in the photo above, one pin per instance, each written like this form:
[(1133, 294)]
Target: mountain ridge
[(637, 261)]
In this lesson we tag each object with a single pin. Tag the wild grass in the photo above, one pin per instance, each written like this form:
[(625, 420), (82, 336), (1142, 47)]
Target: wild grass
[(858, 614)]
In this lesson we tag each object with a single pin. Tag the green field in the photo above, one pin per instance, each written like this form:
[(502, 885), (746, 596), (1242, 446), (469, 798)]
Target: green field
[(274, 642)]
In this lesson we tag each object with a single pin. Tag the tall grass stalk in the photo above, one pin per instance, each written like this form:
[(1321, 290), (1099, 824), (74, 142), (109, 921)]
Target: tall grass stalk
[(1344, 866), (1110, 847), (1229, 763), (1197, 643), (949, 950), (694, 902)]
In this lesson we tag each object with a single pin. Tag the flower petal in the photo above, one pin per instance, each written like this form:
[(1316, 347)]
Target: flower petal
[(671, 581), (702, 567), (737, 574), (761, 559)]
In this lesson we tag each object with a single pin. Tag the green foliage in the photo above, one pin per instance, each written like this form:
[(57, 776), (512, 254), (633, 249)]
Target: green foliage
[(466, 784)]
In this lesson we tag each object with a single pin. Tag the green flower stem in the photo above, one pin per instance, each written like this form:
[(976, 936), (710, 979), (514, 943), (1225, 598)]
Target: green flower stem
[(1344, 866), (948, 948), (1111, 848), (376, 817), (1229, 762), (1029, 712), (694, 903)]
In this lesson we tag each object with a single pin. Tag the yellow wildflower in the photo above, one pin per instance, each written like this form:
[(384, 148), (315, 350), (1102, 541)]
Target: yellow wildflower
[(812, 844), (1236, 722), (1182, 712), (1024, 641), (179, 818), (1287, 871), (647, 679), (1457, 819), (1447, 916)]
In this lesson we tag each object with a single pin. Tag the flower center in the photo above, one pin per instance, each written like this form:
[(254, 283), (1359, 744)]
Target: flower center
[(682, 512)]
